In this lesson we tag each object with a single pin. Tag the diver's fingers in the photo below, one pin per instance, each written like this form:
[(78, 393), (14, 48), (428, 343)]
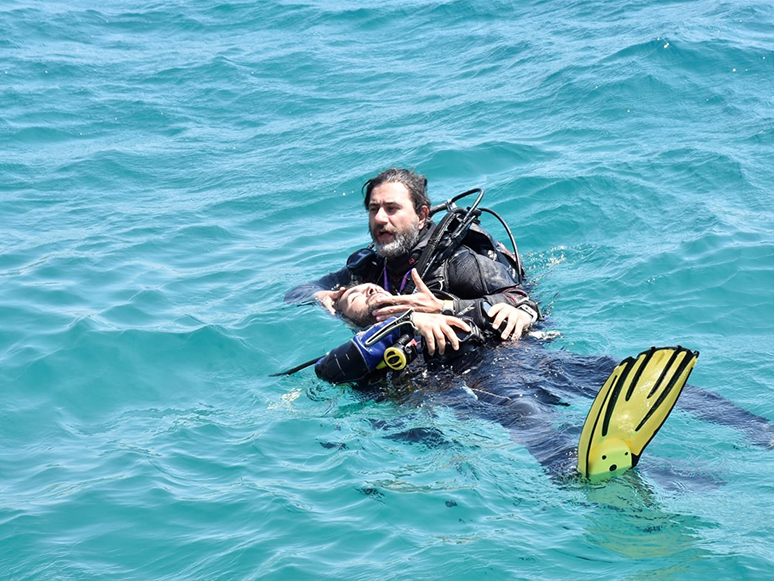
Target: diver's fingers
[(519, 324), (382, 314), (387, 310), (454, 341), (519, 330), (423, 299), (459, 323), (387, 299), (377, 309), (509, 327), (328, 299), (500, 313), (399, 305), (430, 341), (440, 340), (419, 283), (396, 301)]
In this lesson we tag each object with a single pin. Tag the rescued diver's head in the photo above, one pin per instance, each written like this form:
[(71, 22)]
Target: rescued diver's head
[(398, 208), (355, 303)]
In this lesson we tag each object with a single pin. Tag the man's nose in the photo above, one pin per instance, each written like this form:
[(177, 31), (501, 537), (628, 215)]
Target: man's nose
[(380, 216)]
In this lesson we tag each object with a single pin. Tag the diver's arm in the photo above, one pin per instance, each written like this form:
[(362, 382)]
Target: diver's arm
[(499, 314), (508, 313), (473, 279), (514, 298)]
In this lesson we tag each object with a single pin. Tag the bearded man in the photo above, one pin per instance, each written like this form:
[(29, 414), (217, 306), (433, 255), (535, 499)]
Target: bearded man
[(400, 226)]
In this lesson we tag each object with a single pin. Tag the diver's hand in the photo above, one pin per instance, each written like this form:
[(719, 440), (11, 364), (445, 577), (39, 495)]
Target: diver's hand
[(422, 301), (510, 321), (438, 330), (328, 298)]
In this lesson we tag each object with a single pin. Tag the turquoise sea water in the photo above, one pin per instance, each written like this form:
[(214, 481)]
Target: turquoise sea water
[(170, 169)]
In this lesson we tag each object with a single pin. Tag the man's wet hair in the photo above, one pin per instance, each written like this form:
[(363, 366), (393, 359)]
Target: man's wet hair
[(415, 183)]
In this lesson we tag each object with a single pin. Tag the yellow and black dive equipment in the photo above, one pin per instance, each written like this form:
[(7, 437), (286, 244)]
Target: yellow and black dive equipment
[(630, 408)]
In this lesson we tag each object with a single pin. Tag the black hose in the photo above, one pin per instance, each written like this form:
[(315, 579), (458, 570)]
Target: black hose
[(510, 236)]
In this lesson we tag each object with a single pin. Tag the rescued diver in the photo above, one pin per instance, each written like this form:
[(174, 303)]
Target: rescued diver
[(401, 228), (524, 386), (392, 344), (356, 305)]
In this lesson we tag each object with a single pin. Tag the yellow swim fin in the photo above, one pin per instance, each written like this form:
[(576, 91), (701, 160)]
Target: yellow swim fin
[(630, 408)]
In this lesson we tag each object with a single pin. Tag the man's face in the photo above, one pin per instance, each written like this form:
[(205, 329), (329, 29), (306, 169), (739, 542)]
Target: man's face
[(392, 220), (356, 303)]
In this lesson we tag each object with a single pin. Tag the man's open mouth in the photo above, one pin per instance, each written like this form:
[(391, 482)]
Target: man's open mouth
[(385, 235)]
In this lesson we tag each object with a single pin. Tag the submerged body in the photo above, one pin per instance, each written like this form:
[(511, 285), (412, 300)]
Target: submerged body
[(541, 396)]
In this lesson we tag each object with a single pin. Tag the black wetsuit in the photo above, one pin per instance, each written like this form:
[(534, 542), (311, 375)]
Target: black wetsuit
[(468, 279)]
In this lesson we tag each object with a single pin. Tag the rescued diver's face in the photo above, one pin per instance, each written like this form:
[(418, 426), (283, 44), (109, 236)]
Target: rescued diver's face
[(356, 303), (392, 220)]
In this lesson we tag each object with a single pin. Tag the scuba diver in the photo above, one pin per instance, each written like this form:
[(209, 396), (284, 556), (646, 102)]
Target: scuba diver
[(460, 263), (420, 287)]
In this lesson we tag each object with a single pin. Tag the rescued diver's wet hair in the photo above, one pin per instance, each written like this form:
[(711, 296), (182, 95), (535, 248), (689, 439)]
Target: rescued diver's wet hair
[(415, 184)]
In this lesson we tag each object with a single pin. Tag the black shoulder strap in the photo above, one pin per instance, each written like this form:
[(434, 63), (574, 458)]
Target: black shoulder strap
[(442, 243)]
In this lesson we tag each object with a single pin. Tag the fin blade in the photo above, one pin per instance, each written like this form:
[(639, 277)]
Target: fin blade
[(663, 395), (592, 427), (631, 407)]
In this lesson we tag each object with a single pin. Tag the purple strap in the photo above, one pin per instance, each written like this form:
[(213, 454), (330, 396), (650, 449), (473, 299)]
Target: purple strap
[(403, 283)]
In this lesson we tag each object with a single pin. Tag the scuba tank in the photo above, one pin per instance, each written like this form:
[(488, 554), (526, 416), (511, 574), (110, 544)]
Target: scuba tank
[(386, 345), (389, 345)]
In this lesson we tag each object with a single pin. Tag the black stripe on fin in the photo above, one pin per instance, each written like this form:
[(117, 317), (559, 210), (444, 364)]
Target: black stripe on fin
[(648, 354), (689, 356), (664, 372), (615, 393)]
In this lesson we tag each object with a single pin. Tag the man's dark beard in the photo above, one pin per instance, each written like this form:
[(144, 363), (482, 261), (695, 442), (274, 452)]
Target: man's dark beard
[(401, 244)]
